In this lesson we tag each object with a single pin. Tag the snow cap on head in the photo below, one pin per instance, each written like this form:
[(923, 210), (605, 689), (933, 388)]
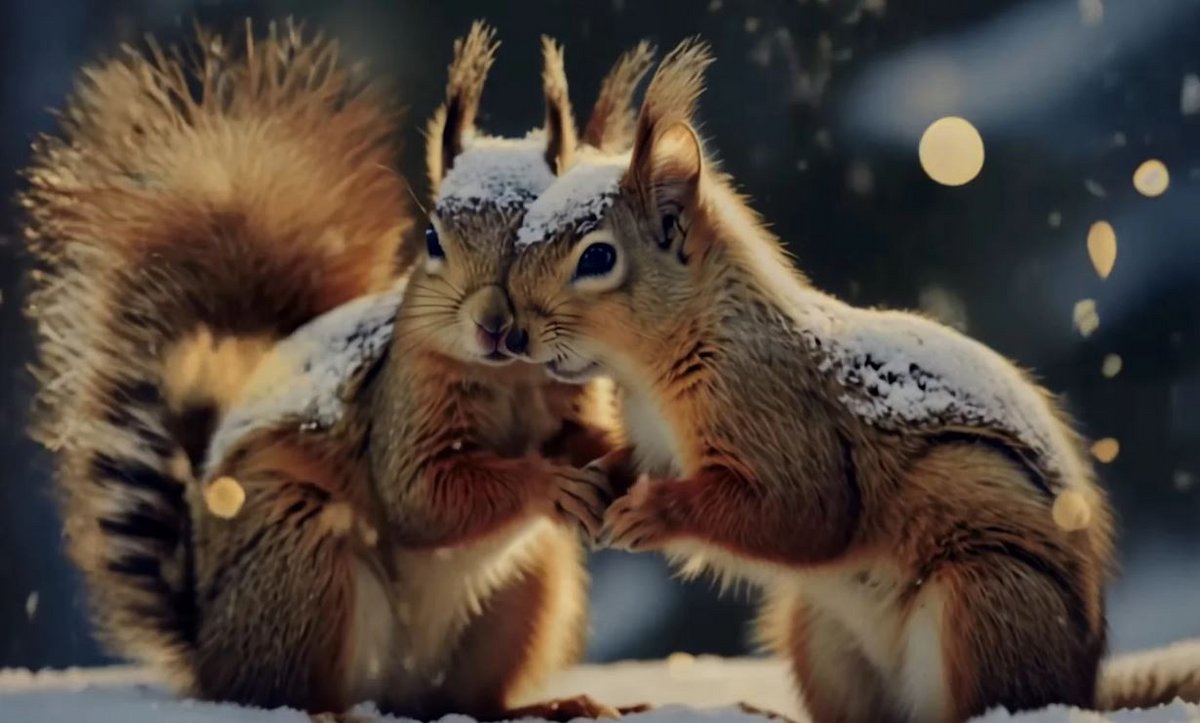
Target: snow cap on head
[(504, 174), (576, 201), (472, 172)]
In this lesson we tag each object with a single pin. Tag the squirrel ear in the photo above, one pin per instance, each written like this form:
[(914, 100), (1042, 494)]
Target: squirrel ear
[(561, 137), (611, 124), (675, 163), (454, 121), (664, 170)]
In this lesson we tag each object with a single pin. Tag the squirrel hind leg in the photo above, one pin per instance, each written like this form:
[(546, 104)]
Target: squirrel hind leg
[(529, 628), (837, 682), (1008, 638), (280, 584)]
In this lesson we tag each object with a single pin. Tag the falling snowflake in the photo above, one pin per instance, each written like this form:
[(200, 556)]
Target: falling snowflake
[(1111, 366), (1087, 319), (1189, 95), (1091, 12)]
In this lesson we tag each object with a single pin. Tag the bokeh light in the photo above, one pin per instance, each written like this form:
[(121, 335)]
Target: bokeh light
[(951, 151)]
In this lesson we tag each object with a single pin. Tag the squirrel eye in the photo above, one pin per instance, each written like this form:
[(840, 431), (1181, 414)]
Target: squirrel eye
[(433, 245), (596, 260), (668, 224)]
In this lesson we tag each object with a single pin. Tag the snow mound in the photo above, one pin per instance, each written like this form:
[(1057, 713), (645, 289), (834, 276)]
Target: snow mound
[(686, 689)]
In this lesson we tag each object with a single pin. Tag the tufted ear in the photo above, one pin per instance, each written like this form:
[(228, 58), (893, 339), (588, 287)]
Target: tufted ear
[(610, 127), (674, 174), (454, 122), (667, 160), (561, 137)]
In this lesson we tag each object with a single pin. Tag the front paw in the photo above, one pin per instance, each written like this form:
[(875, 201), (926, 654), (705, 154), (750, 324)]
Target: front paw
[(640, 520), (580, 497)]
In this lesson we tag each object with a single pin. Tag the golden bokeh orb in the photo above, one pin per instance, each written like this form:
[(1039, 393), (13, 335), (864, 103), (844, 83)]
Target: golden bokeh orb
[(951, 151), (1152, 178), (1102, 248)]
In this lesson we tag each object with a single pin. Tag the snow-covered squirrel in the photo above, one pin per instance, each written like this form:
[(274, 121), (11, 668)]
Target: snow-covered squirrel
[(362, 510), (921, 516)]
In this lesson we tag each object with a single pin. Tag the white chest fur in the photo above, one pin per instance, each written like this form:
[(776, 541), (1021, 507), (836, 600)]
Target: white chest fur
[(433, 597), (656, 448)]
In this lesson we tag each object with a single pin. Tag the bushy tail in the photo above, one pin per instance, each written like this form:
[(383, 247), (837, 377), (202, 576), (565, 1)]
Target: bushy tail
[(196, 206), (1150, 678)]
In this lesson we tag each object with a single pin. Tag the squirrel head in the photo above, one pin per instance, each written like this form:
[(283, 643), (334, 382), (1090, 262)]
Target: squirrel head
[(604, 255), (482, 186)]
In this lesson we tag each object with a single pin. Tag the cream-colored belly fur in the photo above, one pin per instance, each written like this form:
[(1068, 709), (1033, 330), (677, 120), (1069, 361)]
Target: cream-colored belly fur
[(902, 643), (407, 628)]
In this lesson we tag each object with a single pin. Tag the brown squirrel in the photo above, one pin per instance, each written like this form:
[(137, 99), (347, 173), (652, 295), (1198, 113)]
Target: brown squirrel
[(189, 218), (921, 516)]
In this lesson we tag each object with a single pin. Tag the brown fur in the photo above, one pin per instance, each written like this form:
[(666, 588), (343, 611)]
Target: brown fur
[(921, 563), (560, 120), (188, 213)]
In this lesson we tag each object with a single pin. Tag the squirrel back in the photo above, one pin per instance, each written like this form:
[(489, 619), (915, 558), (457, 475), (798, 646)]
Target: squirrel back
[(195, 207)]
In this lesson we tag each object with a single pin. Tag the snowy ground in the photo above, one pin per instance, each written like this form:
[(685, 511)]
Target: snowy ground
[(690, 689)]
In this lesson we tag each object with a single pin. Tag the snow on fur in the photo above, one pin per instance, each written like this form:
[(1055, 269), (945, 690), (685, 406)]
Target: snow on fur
[(502, 173), (576, 201), (304, 375), (901, 371)]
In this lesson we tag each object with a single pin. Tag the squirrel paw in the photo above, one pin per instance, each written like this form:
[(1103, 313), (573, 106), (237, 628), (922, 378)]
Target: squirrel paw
[(637, 522), (580, 496)]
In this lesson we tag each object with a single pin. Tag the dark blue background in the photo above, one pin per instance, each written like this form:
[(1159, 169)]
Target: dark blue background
[(816, 108)]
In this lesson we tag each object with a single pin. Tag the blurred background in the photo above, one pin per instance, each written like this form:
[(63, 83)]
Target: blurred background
[(817, 108)]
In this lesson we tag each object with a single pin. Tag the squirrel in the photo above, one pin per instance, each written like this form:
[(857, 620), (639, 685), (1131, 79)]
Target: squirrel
[(197, 205), (432, 472), (921, 516), (209, 234)]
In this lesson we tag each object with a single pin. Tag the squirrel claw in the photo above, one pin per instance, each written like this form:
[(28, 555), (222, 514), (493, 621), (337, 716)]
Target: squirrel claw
[(580, 496), (633, 523)]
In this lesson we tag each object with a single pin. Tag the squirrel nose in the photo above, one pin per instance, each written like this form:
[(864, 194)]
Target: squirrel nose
[(517, 340), (493, 324)]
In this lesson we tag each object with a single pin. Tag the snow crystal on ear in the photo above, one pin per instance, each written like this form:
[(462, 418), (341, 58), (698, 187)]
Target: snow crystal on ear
[(303, 378), (577, 200), (500, 173)]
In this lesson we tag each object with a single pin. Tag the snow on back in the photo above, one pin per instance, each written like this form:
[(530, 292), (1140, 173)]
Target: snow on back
[(576, 200), (902, 371), (501, 173), (304, 376)]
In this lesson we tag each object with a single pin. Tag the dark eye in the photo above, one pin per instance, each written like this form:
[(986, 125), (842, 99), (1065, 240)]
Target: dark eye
[(433, 246), (596, 260), (668, 226)]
